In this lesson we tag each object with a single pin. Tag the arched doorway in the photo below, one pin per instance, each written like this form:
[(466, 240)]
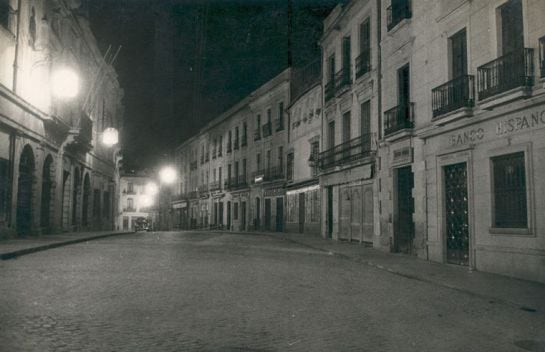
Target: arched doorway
[(85, 200), (48, 175), (75, 196), (24, 191)]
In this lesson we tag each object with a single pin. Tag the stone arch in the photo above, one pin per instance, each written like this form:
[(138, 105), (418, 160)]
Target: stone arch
[(86, 198), (25, 182), (75, 196), (48, 198)]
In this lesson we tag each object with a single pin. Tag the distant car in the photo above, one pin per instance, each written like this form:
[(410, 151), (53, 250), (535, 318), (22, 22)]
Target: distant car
[(142, 224)]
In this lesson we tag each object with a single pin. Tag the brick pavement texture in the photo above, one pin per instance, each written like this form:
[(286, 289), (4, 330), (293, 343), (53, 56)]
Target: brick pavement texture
[(226, 292)]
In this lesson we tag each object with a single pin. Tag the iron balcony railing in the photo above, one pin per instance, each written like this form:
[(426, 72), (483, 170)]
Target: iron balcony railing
[(236, 182), (270, 174), (399, 118), (267, 129), (215, 186), (455, 94), (203, 190), (510, 71), (396, 14), (355, 149), (542, 56), (257, 134), (342, 79), (129, 209), (329, 91), (363, 63)]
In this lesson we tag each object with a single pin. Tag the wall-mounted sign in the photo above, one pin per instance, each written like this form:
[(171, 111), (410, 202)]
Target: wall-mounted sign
[(467, 136), (258, 179), (402, 156), (274, 192)]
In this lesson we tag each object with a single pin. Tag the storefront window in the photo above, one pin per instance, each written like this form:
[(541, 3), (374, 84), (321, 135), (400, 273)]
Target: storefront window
[(510, 207)]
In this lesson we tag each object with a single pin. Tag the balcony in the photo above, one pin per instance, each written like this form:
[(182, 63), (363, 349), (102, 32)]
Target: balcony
[(279, 124), (203, 190), (129, 209), (270, 174), (215, 186), (342, 79), (453, 95), (244, 141), (514, 70), (329, 91), (355, 149), (399, 118), (363, 63), (235, 183), (396, 14), (257, 134), (267, 129)]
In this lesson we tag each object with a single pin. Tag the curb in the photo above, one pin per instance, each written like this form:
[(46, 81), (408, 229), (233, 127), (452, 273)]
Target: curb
[(24, 251)]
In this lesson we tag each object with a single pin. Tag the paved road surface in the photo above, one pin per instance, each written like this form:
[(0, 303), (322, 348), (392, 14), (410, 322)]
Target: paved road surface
[(225, 292)]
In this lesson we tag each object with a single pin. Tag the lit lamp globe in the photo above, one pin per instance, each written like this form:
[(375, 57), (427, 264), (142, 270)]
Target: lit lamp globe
[(151, 189), (65, 83), (145, 201), (167, 175), (110, 136)]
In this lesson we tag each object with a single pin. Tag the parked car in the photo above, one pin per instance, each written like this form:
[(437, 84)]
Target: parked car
[(142, 224)]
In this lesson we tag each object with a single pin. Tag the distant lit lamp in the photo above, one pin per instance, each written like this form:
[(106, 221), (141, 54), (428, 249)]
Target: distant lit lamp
[(110, 136), (64, 83), (151, 189), (167, 175)]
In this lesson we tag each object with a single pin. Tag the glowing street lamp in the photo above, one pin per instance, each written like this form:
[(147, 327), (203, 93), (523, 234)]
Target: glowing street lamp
[(151, 189), (110, 136), (167, 175), (64, 83)]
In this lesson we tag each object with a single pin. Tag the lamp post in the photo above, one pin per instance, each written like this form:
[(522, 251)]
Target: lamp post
[(167, 177)]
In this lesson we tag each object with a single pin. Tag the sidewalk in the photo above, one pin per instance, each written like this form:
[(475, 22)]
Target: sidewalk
[(13, 248), (526, 295)]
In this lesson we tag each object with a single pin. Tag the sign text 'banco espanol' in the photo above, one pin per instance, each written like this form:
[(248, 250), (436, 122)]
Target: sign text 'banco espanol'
[(506, 126)]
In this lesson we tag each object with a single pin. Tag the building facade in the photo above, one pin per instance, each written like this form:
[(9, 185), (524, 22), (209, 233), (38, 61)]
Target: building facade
[(132, 190), (55, 174), (303, 195), (350, 123)]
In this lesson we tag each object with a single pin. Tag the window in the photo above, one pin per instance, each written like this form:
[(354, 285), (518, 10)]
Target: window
[(214, 148), (289, 166), (542, 55), (244, 134), (4, 189), (235, 211), (331, 66), (512, 29), (236, 171), (331, 135), (268, 165), (5, 11), (458, 54), (509, 183), (314, 155), (280, 157), (346, 57), (220, 146), (280, 124), (130, 204), (315, 205), (397, 12), (365, 125), (229, 142), (258, 161), (130, 187), (236, 138), (363, 61), (219, 176)]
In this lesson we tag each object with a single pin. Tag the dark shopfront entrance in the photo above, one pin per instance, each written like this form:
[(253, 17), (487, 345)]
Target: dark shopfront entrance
[(403, 223), (268, 214), (456, 211), (279, 214)]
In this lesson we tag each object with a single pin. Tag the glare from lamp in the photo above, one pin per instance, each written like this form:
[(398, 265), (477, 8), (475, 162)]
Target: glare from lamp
[(167, 175), (151, 189), (145, 201), (65, 83), (110, 137)]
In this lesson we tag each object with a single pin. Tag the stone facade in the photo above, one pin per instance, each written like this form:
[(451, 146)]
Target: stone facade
[(130, 207), (55, 174)]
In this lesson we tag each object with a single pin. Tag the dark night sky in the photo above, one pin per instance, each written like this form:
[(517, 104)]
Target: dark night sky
[(183, 62)]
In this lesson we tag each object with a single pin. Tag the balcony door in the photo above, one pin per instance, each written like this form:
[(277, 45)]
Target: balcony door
[(365, 126), (404, 86), (346, 58), (458, 46), (512, 29)]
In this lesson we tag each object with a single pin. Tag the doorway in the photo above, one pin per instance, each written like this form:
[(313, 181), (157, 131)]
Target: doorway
[(301, 212), (404, 225), (279, 214), (24, 191), (229, 215), (329, 212), (243, 216), (268, 214), (456, 214), (257, 219)]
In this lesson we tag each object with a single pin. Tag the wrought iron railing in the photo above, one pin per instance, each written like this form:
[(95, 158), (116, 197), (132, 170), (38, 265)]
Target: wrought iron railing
[(215, 186), (455, 94), (129, 209), (236, 182), (329, 90), (257, 134), (279, 124), (399, 118), (270, 174), (355, 149), (396, 14), (363, 63), (510, 71), (342, 78), (267, 129)]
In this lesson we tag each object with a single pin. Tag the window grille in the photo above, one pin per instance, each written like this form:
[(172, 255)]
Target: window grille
[(510, 207)]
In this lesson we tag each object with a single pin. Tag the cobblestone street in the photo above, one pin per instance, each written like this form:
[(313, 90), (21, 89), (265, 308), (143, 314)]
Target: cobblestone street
[(183, 291)]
